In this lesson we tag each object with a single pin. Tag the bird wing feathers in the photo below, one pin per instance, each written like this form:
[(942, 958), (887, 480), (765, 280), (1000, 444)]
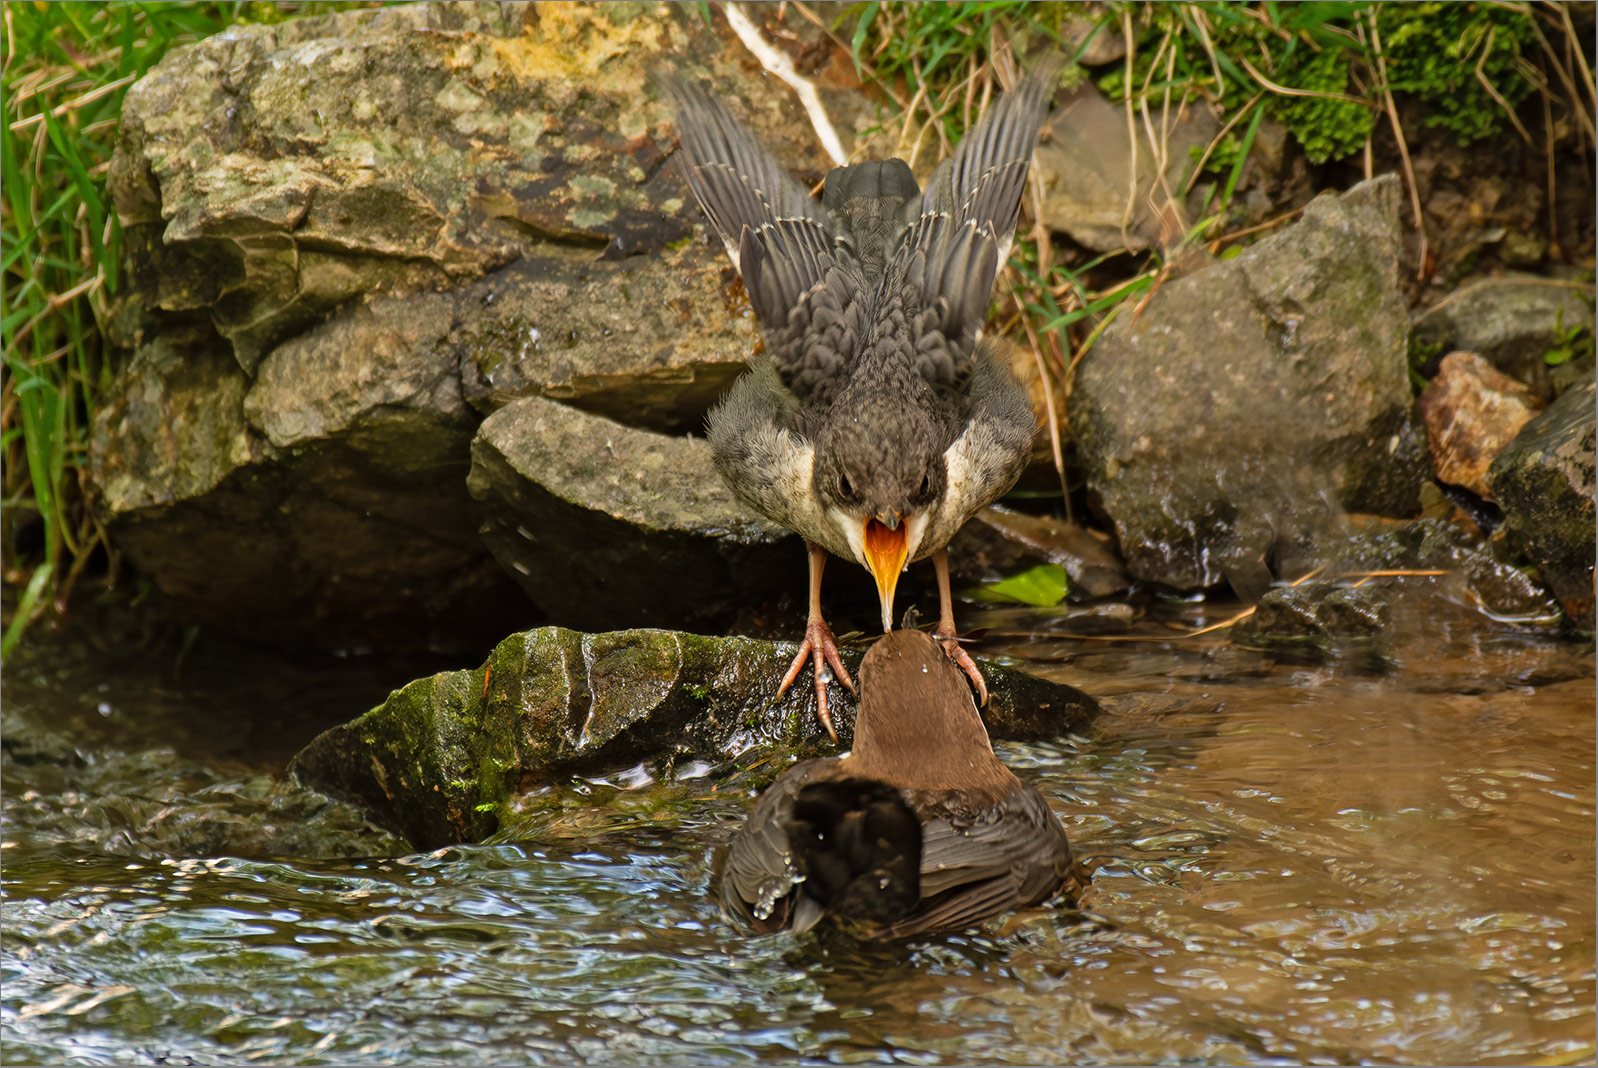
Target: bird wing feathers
[(735, 180), (877, 253), (780, 239), (1017, 856), (983, 181), (759, 878)]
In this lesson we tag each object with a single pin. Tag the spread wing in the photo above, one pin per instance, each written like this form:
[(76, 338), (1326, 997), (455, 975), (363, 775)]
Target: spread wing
[(983, 181), (779, 238), (820, 277), (759, 879), (736, 181), (1017, 857), (953, 252)]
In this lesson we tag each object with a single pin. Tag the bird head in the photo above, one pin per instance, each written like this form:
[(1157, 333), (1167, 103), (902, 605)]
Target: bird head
[(879, 472)]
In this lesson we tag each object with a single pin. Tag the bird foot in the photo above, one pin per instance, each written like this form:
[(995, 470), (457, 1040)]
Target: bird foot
[(953, 650), (821, 649)]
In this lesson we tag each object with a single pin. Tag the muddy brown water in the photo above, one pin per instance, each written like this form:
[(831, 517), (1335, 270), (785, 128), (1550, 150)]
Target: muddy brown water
[(1338, 860)]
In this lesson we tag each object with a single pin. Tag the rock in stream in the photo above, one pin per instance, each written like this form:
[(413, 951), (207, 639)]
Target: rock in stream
[(1252, 402), (1544, 480), (443, 754), (1512, 322)]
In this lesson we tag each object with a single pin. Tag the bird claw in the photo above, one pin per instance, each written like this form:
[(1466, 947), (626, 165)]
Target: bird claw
[(953, 650), (821, 649)]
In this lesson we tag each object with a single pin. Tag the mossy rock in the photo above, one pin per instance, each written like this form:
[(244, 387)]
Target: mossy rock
[(1545, 480), (439, 758)]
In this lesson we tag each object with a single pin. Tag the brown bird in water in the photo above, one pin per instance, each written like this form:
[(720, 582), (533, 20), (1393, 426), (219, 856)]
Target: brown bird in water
[(919, 827), (879, 421)]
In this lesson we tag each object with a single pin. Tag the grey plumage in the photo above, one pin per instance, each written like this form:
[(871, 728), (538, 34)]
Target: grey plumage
[(877, 421), (871, 300)]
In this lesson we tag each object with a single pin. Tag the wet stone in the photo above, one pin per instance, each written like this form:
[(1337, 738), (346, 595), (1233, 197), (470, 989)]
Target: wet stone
[(605, 525), (1544, 481), (1512, 322), (648, 341), (1317, 611), (442, 755), (1498, 588), (1251, 403)]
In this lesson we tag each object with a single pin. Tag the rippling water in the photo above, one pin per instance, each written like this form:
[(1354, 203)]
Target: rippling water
[(1322, 862)]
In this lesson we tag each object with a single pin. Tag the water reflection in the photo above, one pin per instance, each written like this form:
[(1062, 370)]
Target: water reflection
[(1291, 863)]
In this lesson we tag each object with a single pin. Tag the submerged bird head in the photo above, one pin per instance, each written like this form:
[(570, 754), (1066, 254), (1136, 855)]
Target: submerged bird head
[(879, 473)]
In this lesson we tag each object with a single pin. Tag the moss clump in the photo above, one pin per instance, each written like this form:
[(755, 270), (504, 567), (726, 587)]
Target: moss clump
[(1320, 76), (1326, 127), (1435, 50)]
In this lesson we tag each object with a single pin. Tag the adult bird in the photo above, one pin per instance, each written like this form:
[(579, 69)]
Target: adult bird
[(878, 421), (919, 827)]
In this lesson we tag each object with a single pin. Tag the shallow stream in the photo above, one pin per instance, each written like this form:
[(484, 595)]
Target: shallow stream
[(1332, 861)]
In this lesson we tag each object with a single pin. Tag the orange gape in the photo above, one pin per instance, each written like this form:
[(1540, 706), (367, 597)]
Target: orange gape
[(885, 551)]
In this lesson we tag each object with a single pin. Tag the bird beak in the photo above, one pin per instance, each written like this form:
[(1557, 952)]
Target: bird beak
[(885, 549)]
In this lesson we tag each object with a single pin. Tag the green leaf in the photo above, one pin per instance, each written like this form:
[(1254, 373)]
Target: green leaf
[(1042, 586)]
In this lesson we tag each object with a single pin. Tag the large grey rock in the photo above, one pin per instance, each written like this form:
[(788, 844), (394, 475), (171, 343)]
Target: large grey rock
[(333, 278), (443, 757), (1544, 481), (650, 341), (604, 525), (1512, 322), (1250, 403), (436, 143), (318, 505)]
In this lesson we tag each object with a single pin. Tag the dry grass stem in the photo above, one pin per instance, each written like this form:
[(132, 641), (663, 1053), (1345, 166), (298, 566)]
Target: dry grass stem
[(1403, 146), (1282, 90), (1198, 168), (1492, 91), (1131, 127)]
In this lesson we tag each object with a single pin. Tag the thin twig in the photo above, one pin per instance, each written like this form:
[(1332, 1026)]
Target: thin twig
[(1581, 60), (1394, 572), (1486, 83), (778, 63), (866, 68), (56, 300), (1131, 128), (1283, 90), (1548, 147), (1198, 168), (1577, 104), (1048, 393), (1224, 239), (1202, 24)]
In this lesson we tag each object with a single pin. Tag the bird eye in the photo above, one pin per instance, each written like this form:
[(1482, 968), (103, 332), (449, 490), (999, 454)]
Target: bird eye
[(926, 484), (845, 490)]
